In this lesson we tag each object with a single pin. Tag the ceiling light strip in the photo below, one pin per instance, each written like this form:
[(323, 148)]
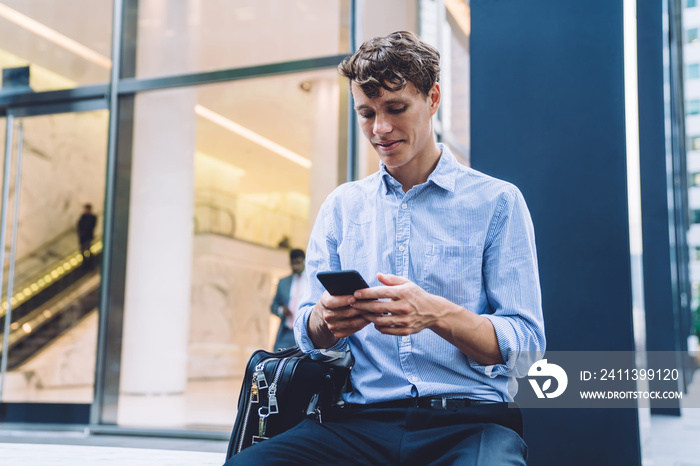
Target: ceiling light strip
[(51, 35), (251, 135)]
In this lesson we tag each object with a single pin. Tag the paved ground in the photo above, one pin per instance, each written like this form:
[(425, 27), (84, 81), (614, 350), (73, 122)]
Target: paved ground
[(672, 441)]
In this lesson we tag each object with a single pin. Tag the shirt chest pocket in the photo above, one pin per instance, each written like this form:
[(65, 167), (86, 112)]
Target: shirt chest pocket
[(356, 244), (453, 272)]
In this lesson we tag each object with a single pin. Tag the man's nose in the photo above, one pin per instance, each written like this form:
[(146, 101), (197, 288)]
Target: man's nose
[(381, 125)]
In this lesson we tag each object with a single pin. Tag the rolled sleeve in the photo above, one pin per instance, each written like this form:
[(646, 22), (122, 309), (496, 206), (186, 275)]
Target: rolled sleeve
[(321, 255), (511, 281)]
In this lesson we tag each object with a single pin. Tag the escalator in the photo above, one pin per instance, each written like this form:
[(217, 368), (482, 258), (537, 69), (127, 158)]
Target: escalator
[(50, 302)]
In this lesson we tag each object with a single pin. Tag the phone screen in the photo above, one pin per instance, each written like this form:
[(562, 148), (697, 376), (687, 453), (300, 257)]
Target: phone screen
[(342, 282)]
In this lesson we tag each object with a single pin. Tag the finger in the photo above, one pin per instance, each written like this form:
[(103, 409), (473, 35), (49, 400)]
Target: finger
[(378, 307), (347, 327), (391, 280), (334, 302), (377, 292), (340, 314)]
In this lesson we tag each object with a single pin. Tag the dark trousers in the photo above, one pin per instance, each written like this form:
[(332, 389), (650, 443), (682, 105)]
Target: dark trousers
[(285, 337), (402, 436)]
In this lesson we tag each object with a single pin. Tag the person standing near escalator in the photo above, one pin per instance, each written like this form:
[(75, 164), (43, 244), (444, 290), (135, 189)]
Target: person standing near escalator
[(86, 233)]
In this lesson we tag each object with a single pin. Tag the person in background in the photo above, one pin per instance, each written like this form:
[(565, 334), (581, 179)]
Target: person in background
[(287, 299), (86, 233)]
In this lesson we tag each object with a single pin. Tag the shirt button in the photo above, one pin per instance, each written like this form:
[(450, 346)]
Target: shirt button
[(406, 338), (401, 248), (414, 379), (404, 206)]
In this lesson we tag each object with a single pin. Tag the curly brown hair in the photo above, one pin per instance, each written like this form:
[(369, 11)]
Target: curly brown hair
[(391, 62)]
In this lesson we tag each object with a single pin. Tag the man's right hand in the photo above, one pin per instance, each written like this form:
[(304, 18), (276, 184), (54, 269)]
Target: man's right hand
[(286, 312), (332, 318)]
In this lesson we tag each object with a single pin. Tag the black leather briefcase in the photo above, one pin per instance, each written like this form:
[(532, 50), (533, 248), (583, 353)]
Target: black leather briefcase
[(283, 388)]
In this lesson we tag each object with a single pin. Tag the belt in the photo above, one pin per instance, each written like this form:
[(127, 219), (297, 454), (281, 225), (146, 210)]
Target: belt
[(430, 402)]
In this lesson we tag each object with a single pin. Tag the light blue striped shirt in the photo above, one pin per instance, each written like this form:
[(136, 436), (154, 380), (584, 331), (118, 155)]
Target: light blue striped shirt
[(462, 235)]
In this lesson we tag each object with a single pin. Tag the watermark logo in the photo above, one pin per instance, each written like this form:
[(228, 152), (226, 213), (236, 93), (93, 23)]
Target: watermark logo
[(543, 369)]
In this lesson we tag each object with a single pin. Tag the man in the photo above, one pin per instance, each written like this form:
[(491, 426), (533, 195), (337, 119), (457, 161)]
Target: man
[(453, 307), (86, 232), (287, 300)]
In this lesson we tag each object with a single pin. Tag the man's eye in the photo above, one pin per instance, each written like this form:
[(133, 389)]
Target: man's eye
[(397, 110), (366, 115)]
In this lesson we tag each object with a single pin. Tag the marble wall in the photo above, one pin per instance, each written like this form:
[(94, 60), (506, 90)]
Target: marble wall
[(63, 167), (232, 286)]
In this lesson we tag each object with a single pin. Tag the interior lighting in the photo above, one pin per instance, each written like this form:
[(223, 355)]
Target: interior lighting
[(34, 287), (27, 328), (251, 135), (74, 262), (51, 35), (54, 274), (27, 291), (14, 325), (47, 313)]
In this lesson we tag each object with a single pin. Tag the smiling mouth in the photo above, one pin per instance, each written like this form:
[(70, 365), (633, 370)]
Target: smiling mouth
[(388, 145)]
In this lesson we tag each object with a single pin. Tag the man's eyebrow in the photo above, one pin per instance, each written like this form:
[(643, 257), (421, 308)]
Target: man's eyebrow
[(397, 101)]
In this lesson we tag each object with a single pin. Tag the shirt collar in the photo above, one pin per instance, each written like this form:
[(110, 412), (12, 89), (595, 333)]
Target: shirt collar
[(444, 175)]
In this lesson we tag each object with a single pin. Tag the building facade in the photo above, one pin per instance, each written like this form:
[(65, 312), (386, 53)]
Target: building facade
[(205, 135)]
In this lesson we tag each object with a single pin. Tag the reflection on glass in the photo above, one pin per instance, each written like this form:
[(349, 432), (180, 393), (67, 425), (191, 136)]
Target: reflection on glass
[(53, 300), (65, 44), (225, 178), (188, 37)]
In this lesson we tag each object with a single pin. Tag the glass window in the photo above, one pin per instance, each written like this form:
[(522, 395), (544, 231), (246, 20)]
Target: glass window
[(693, 143), (691, 3), (695, 179), (696, 216), (62, 48), (53, 330), (189, 37), (693, 107), (693, 71), (692, 35), (226, 178)]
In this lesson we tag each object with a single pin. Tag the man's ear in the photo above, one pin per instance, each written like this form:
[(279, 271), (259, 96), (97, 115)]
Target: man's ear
[(434, 98)]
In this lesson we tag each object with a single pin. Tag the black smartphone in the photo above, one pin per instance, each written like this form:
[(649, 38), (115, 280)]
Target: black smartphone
[(342, 282)]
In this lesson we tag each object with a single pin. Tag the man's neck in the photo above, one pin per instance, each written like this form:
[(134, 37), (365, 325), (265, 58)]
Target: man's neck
[(417, 170)]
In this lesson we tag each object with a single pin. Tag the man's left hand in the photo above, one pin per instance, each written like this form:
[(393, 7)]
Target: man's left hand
[(406, 308)]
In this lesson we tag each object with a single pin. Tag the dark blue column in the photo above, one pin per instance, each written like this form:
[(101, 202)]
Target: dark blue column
[(548, 115), (665, 281)]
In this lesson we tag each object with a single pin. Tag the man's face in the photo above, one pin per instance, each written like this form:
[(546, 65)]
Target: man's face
[(298, 265), (398, 124)]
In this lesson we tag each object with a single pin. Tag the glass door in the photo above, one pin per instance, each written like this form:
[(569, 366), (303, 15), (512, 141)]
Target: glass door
[(53, 184)]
